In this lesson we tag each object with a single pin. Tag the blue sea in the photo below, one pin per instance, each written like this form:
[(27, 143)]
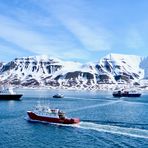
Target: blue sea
[(105, 121)]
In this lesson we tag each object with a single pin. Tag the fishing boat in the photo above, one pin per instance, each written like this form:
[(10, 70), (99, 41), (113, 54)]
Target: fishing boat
[(58, 96), (9, 94), (45, 114), (125, 93)]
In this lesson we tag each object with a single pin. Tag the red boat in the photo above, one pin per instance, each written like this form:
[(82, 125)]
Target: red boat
[(52, 116)]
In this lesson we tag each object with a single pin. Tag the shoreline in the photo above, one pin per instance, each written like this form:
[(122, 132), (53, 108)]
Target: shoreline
[(102, 87)]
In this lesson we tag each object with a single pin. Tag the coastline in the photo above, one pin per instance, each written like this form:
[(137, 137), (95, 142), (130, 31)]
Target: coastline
[(101, 87)]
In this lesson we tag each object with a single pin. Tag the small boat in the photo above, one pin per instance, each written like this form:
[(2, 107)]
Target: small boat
[(125, 93), (9, 94), (58, 96), (51, 116)]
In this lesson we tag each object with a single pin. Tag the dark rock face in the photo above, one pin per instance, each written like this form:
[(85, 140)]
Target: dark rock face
[(30, 82), (1, 65), (100, 68), (53, 83), (88, 75), (9, 66), (53, 68), (76, 74), (108, 66), (72, 75), (103, 78), (15, 82)]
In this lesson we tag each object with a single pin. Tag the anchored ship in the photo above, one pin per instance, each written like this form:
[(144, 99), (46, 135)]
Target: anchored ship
[(9, 94), (126, 93)]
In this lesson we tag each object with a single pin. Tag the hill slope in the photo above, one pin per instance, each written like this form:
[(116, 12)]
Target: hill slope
[(44, 70)]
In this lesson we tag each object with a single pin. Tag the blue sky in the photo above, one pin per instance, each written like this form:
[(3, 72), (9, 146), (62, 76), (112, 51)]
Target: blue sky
[(78, 30)]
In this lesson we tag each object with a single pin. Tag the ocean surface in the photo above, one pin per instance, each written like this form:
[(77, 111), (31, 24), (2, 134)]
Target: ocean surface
[(105, 121)]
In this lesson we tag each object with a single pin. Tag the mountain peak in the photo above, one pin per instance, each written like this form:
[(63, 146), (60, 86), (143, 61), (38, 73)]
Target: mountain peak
[(38, 58), (45, 70), (121, 56)]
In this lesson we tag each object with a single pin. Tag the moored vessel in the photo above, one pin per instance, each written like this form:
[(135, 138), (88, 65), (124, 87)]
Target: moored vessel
[(9, 94), (125, 93), (58, 96)]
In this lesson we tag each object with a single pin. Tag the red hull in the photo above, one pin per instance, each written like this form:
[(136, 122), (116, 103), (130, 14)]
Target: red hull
[(33, 116)]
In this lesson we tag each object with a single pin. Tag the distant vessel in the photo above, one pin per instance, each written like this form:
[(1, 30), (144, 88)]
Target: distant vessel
[(58, 96), (9, 94), (125, 93), (45, 114)]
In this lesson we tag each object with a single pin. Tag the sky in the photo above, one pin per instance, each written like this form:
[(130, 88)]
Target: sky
[(77, 30)]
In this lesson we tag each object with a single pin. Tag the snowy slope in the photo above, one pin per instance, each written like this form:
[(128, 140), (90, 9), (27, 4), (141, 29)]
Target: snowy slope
[(144, 66), (1, 65), (124, 65), (44, 70)]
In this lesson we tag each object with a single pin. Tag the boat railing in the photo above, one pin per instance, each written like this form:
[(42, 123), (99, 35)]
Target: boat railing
[(45, 110), (117, 92), (7, 91)]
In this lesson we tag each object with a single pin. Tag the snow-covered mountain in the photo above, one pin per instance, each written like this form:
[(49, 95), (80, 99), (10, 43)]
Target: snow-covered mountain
[(1, 65), (44, 70), (126, 67)]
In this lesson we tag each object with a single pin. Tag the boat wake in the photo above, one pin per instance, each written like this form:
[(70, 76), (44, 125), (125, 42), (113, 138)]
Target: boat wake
[(135, 103), (131, 132), (90, 99), (80, 98), (93, 106), (125, 131)]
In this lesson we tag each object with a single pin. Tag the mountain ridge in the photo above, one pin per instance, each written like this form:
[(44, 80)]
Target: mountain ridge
[(49, 71)]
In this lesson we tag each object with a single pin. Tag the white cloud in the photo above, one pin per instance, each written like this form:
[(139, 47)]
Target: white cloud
[(18, 34), (134, 39), (74, 16), (76, 54), (93, 39), (67, 29), (24, 37), (9, 53), (7, 50)]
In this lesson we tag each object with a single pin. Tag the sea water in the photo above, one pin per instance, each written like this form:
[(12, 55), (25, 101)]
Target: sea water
[(105, 121)]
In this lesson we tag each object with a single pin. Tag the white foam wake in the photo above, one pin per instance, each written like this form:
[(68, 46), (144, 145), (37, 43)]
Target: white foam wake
[(93, 106), (132, 132), (85, 99), (136, 103)]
